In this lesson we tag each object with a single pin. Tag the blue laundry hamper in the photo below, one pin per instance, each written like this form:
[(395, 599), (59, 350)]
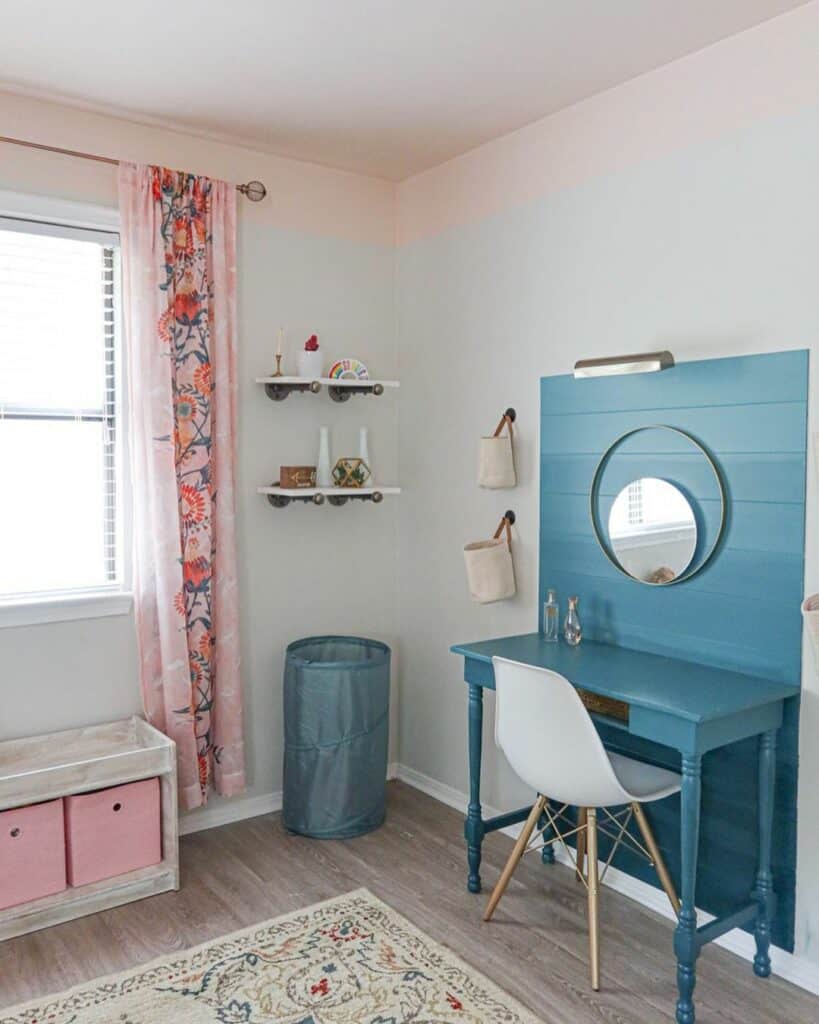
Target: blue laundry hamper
[(336, 731)]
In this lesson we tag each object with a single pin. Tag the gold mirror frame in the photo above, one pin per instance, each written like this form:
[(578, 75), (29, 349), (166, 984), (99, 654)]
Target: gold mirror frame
[(593, 495)]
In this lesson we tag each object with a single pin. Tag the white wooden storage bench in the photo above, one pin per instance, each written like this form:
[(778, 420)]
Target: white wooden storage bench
[(38, 778)]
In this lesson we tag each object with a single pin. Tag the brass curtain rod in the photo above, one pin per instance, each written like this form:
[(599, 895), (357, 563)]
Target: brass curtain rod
[(254, 190)]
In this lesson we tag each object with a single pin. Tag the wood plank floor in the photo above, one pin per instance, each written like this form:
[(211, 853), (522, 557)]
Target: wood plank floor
[(535, 948)]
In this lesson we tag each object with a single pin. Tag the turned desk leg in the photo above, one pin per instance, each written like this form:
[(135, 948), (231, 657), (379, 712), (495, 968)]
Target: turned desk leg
[(686, 944), (763, 890), (473, 826)]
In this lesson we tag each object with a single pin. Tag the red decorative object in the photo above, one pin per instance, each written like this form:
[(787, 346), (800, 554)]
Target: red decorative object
[(312, 344)]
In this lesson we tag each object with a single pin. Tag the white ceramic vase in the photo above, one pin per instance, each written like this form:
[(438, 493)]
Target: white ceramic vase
[(310, 364), (323, 468), (364, 449)]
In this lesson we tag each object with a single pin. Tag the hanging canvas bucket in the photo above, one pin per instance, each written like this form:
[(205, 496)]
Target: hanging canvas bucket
[(496, 460), (489, 567), (810, 613)]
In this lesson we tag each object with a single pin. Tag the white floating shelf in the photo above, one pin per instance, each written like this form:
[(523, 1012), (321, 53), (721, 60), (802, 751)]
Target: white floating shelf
[(339, 388), (336, 382), (281, 496), (308, 492)]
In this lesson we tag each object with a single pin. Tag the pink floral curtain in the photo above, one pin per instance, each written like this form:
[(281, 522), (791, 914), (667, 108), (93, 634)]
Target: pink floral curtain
[(179, 255)]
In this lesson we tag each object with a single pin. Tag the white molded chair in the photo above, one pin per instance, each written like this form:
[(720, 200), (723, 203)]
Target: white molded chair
[(550, 741)]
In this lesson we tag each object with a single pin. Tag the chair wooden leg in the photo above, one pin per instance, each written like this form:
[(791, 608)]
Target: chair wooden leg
[(657, 857), (593, 882), (514, 857), (582, 820)]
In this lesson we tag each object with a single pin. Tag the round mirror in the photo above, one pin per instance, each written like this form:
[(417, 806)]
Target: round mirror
[(652, 530)]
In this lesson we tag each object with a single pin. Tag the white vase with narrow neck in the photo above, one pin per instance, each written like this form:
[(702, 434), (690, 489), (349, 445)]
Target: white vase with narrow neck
[(323, 469), (364, 448)]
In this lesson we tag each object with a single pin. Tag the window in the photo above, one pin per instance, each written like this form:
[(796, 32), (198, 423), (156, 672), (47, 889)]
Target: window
[(635, 503), (60, 488)]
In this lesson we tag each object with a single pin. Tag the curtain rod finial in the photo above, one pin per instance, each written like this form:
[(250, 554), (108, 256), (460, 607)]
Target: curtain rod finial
[(254, 190)]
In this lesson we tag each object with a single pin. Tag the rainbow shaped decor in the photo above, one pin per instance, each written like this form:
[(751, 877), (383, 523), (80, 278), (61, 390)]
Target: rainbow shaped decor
[(348, 369)]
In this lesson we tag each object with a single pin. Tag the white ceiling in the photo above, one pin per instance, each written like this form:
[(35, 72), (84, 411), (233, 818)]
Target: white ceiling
[(385, 87)]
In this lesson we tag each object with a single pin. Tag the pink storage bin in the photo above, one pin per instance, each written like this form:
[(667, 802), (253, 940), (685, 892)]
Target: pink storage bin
[(112, 831), (32, 853)]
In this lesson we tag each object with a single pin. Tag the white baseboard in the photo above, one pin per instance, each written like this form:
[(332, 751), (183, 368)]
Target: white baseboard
[(788, 966), (228, 811), (432, 787), (225, 812)]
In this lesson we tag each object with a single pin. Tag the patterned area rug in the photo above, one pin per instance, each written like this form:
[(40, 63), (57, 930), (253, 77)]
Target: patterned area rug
[(351, 960)]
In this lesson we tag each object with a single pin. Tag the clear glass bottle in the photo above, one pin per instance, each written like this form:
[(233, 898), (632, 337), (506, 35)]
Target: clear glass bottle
[(551, 617), (571, 627)]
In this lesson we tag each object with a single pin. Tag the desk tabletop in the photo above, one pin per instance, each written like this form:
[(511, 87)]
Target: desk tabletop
[(699, 693)]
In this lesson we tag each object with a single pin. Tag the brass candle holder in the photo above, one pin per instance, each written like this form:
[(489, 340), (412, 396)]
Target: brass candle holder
[(278, 372)]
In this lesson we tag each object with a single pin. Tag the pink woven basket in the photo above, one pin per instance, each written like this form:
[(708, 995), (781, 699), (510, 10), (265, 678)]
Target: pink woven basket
[(32, 853), (112, 831)]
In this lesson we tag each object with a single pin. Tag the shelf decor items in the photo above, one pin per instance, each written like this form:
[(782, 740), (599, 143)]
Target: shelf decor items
[(496, 459), (310, 359), (279, 345), (364, 447), (297, 476), (349, 472), (324, 477), (348, 369)]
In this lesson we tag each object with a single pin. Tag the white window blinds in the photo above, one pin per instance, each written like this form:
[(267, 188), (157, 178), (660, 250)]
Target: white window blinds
[(58, 411)]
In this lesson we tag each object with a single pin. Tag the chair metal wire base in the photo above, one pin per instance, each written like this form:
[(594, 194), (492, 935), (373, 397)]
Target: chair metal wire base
[(533, 838), (616, 829)]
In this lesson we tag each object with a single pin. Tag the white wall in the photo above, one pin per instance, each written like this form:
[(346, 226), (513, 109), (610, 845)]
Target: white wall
[(309, 570), (555, 244), (317, 255)]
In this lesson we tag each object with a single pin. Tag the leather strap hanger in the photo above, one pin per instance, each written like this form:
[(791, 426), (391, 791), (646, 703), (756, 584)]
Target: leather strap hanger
[(507, 521), (509, 418)]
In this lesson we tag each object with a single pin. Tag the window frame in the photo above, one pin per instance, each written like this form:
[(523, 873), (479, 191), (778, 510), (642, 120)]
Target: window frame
[(102, 601)]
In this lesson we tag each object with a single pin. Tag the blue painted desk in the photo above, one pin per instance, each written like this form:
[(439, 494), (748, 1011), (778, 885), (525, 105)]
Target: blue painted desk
[(690, 707)]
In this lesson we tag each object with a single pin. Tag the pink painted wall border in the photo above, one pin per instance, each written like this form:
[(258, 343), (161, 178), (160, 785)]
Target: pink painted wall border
[(761, 72), (302, 197)]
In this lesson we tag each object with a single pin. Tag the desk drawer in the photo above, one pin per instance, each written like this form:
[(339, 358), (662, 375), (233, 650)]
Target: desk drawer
[(608, 706)]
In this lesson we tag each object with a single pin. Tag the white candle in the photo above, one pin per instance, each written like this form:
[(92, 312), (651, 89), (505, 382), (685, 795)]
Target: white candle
[(279, 343)]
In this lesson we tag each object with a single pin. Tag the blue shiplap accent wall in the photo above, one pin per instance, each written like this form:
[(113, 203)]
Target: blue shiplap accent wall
[(740, 612)]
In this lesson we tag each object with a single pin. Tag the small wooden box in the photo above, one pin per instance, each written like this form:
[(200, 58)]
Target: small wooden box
[(112, 831), (297, 476), (32, 853)]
